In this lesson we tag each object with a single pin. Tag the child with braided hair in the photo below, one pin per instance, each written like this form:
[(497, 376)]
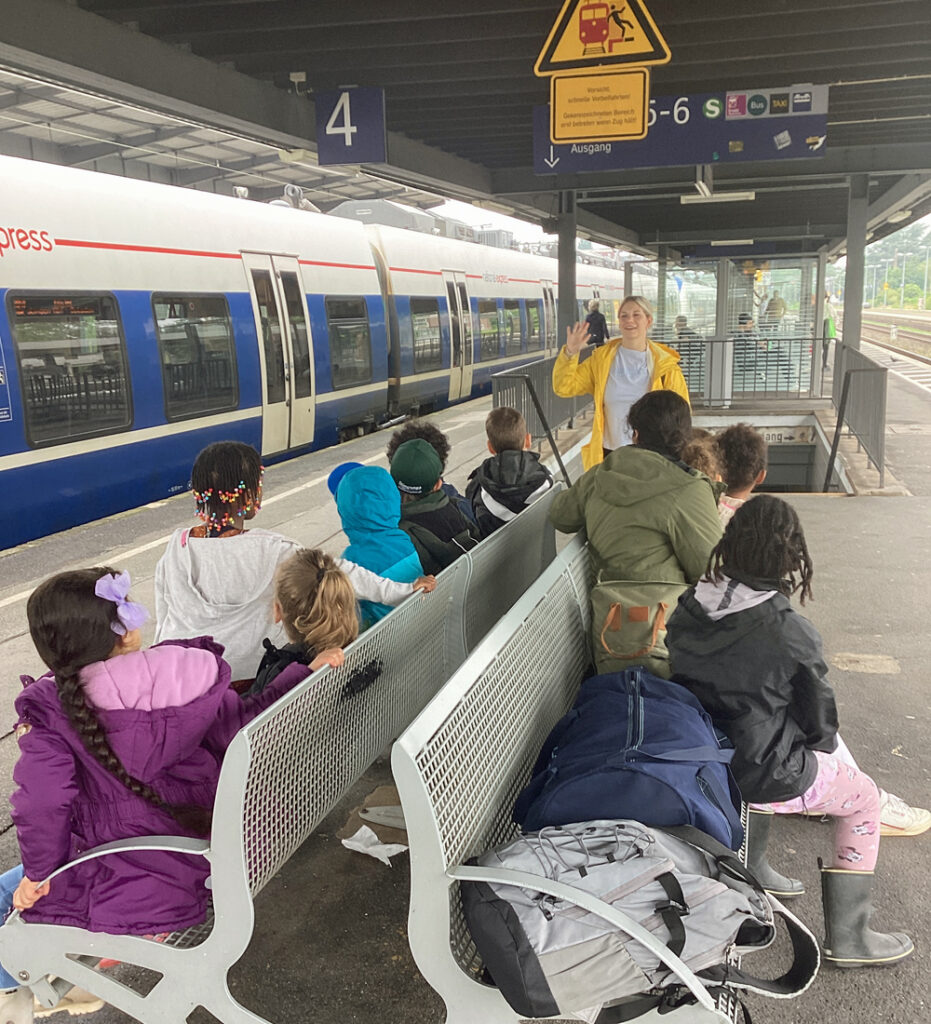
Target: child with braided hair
[(115, 742), (757, 667), (218, 578)]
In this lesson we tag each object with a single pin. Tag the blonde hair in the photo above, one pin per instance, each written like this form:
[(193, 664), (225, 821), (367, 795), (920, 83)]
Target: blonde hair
[(640, 301), (317, 602), (593, 305)]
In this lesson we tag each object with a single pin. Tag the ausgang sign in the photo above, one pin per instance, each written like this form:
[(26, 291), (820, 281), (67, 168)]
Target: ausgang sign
[(595, 94)]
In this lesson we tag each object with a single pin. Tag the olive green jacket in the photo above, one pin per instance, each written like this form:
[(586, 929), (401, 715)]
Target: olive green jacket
[(646, 517)]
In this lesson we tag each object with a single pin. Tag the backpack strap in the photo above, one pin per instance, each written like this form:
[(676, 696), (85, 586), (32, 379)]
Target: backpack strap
[(613, 621), (806, 954)]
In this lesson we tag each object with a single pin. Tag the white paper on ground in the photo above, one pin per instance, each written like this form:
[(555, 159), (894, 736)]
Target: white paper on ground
[(365, 841)]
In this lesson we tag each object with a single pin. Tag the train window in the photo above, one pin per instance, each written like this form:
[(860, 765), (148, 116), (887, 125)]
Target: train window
[(512, 326), (535, 333), (488, 329), (72, 365), (425, 321), (195, 339), (350, 341), (297, 321)]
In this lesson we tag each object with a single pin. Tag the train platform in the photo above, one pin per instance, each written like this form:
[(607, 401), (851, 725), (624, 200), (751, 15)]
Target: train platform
[(330, 938)]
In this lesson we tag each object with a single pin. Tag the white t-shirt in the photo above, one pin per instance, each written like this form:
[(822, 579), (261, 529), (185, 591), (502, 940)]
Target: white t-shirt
[(628, 380), (225, 587)]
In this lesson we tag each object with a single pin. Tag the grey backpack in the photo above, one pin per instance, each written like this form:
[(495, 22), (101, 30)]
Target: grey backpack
[(614, 912)]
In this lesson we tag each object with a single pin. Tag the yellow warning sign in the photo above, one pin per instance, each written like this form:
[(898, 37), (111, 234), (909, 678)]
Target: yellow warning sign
[(609, 106), (611, 33)]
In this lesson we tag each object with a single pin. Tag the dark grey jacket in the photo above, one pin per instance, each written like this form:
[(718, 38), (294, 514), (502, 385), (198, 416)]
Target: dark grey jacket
[(761, 676)]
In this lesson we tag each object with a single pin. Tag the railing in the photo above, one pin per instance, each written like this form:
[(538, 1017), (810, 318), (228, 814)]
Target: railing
[(860, 383), (529, 389), (774, 367)]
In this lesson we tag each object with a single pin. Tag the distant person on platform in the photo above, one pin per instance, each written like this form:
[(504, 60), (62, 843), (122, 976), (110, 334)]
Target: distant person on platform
[(683, 331), (775, 313), (617, 374), (597, 325)]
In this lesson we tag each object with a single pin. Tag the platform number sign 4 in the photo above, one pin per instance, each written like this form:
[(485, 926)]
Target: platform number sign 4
[(351, 126), (340, 122)]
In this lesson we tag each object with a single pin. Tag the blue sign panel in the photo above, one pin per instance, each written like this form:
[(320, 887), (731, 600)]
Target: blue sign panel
[(351, 126), (710, 128)]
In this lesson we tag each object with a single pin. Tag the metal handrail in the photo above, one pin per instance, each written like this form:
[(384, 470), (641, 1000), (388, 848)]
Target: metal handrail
[(874, 444)]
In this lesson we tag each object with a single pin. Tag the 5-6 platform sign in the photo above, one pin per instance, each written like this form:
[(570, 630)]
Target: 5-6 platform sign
[(708, 128)]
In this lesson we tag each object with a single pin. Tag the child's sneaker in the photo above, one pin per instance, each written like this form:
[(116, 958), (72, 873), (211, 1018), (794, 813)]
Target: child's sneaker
[(16, 1006), (898, 819), (75, 1001)]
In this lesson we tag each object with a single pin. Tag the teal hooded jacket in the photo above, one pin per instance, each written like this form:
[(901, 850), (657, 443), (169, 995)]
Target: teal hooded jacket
[(369, 505)]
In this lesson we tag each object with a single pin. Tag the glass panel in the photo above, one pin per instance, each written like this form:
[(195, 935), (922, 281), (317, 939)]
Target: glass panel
[(350, 341), (275, 389), (72, 364), (512, 326), (488, 326), (425, 321), (195, 339), (455, 335), (467, 342), (300, 349), (535, 335)]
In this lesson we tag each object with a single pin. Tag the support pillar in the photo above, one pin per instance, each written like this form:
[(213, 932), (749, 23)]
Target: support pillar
[(719, 352), (568, 312), (857, 208), (662, 329)]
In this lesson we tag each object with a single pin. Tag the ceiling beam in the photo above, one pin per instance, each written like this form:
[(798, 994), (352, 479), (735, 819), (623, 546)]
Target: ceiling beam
[(71, 47)]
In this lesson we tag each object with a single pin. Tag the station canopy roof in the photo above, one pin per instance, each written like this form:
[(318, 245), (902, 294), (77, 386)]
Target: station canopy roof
[(219, 93)]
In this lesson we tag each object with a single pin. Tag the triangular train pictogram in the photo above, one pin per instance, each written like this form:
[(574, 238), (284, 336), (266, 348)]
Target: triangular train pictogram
[(604, 33)]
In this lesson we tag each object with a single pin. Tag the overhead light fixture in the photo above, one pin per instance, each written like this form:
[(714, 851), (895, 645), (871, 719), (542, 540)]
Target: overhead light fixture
[(724, 242), (718, 197), (899, 215)]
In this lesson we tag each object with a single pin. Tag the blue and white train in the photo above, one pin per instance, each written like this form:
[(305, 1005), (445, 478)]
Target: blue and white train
[(140, 322)]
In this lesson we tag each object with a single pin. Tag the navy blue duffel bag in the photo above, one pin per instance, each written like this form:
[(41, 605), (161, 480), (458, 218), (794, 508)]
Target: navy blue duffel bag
[(639, 747)]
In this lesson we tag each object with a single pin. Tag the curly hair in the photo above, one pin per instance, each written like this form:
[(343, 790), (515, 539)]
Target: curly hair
[(742, 453), (424, 430), (71, 628), (701, 454), (317, 602), (765, 540)]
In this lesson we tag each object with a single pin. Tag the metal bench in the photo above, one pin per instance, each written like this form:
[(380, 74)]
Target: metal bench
[(281, 776), (460, 765)]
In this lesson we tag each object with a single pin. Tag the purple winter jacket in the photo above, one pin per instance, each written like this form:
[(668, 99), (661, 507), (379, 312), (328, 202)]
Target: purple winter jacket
[(169, 715)]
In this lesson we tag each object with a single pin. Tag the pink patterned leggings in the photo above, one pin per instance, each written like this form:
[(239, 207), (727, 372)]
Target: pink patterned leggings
[(846, 794)]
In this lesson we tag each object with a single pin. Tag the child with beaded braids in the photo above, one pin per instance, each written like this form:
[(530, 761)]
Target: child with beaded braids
[(218, 579), (757, 666), (115, 742)]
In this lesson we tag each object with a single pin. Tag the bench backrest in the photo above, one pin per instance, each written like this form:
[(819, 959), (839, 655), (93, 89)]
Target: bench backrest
[(289, 767), (465, 758)]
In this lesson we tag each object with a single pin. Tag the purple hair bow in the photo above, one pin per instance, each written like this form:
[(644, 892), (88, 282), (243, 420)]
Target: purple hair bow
[(116, 588)]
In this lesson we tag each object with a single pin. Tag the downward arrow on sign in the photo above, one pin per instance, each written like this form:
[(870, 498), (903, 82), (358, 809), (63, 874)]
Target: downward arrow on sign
[(553, 160)]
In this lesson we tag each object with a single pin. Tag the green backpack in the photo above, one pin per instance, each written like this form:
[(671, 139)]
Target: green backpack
[(629, 624)]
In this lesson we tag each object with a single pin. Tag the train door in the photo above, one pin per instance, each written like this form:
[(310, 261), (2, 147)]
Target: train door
[(461, 335), (549, 318), (283, 329)]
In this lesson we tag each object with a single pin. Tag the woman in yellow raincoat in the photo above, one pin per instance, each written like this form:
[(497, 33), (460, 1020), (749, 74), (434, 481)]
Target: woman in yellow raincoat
[(617, 374)]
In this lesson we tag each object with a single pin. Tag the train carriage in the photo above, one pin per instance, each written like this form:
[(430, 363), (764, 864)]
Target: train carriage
[(139, 322)]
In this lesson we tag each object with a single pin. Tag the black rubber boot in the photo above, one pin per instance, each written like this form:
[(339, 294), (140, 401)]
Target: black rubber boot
[(848, 939), (758, 828)]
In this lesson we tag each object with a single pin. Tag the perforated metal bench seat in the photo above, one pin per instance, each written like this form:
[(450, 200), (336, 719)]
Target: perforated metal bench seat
[(282, 775), (462, 762)]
